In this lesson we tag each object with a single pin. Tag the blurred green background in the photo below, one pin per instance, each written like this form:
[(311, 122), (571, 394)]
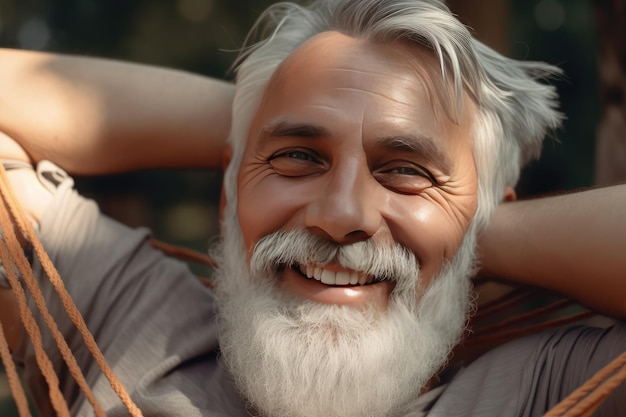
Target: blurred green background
[(201, 35)]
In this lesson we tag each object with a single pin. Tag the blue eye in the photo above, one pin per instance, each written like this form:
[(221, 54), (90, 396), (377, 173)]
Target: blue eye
[(297, 163)]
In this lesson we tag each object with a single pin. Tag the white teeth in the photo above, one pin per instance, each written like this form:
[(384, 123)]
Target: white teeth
[(330, 277), (317, 273), (342, 278), (362, 279)]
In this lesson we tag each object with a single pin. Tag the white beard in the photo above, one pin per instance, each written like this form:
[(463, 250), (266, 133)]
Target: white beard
[(294, 358)]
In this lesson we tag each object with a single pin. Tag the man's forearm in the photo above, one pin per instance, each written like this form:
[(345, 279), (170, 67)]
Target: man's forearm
[(95, 116), (574, 244)]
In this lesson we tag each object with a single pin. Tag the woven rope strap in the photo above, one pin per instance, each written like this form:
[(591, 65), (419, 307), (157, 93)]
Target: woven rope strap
[(13, 258)]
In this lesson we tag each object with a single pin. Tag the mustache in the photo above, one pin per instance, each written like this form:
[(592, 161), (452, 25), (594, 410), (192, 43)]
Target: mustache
[(384, 260)]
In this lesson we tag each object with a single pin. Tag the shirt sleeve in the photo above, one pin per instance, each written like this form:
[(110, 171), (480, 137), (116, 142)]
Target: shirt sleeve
[(529, 376), (146, 311)]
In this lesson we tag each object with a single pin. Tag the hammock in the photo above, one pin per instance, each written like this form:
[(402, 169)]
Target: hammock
[(487, 332)]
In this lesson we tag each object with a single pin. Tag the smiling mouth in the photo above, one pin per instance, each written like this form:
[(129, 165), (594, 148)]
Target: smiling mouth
[(330, 277)]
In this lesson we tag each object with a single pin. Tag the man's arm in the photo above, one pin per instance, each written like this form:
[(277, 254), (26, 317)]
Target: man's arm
[(97, 116), (574, 244)]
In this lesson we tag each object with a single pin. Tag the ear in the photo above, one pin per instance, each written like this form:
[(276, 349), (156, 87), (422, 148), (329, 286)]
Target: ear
[(509, 194), (226, 157)]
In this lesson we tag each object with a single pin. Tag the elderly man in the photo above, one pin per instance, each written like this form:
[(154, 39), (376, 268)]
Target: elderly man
[(370, 144)]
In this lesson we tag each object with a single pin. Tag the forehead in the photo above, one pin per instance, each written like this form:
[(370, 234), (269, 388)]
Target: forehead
[(332, 56), (392, 83)]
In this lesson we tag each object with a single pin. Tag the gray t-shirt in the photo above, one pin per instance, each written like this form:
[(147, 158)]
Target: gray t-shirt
[(156, 326)]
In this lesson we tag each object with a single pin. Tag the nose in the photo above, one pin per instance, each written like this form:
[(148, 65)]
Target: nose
[(348, 209)]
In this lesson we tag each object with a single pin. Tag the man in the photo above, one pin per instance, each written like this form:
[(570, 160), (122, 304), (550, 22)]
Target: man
[(371, 142)]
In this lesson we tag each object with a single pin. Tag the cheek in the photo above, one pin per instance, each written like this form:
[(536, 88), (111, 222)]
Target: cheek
[(268, 203), (425, 227)]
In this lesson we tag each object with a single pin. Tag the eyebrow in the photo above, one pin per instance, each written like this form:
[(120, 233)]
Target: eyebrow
[(283, 128), (424, 146)]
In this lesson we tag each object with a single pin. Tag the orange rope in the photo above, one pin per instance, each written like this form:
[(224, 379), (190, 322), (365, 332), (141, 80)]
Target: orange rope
[(506, 301), (528, 316), (182, 253), (585, 399), (30, 325), (185, 254), (27, 274), (71, 309), (506, 335), (14, 380)]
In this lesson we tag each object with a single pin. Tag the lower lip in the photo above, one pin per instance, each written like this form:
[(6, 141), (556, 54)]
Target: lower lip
[(376, 294)]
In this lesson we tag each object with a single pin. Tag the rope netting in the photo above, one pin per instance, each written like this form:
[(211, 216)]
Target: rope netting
[(582, 402)]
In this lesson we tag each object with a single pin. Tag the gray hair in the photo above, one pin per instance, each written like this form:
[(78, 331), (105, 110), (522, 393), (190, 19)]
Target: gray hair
[(515, 109)]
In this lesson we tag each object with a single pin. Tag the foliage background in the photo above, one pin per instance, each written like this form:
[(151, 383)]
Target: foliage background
[(202, 35)]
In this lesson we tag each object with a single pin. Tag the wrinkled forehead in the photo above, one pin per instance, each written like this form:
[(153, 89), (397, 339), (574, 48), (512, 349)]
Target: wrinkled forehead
[(384, 65)]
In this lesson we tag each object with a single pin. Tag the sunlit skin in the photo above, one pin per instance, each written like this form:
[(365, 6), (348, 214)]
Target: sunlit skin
[(349, 144)]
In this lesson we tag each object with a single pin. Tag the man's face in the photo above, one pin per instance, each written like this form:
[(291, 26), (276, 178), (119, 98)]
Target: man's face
[(350, 143), (355, 194)]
